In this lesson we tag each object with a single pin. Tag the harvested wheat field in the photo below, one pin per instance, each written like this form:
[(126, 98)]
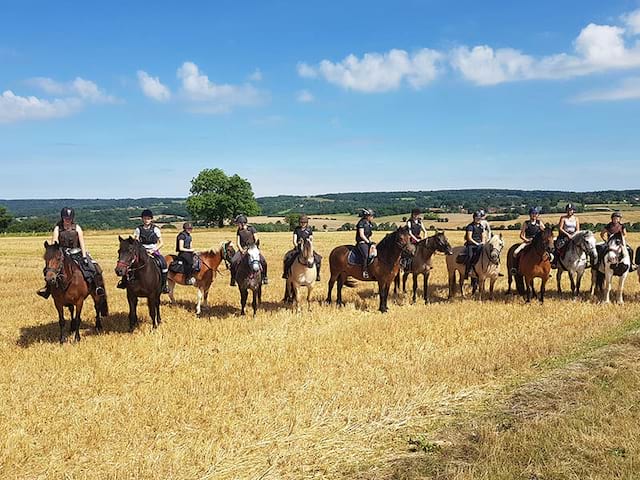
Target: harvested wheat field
[(453, 389)]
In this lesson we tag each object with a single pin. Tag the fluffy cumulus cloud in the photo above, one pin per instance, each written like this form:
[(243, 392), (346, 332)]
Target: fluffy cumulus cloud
[(206, 96), (152, 87), (597, 48), (71, 97), (376, 72)]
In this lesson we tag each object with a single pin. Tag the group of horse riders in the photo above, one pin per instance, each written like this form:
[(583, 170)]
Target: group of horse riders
[(70, 237)]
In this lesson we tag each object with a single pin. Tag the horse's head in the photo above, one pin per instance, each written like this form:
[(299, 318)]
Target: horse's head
[(403, 239), (442, 244), (495, 246), (306, 252), (545, 237), (53, 262), (128, 254), (253, 257), (616, 248), (586, 241), (227, 251)]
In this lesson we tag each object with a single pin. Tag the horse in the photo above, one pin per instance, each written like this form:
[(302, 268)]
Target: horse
[(534, 262), (303, 274), (143, 279), (209, 263), (248, 276), (69, 289), (487, 266), (574, 259), (383, 269), (613, 261), (421, 264)]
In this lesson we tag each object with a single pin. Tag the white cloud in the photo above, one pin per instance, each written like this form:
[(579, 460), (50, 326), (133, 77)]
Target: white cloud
[(208, 97), (15, 108), (628, 89), (377, 72), (632, 22), (305, 96), (152, 87), (79, 87), (256, 76), (597, 48)]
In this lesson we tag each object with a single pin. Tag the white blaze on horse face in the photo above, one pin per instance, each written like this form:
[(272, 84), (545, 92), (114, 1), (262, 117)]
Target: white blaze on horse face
[(254, 257)]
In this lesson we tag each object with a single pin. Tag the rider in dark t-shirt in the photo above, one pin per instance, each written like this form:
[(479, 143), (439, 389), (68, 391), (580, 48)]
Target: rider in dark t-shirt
[(302, 232), (615, 226), (246, 235), (364, 232), (185, 252), (475, 237)]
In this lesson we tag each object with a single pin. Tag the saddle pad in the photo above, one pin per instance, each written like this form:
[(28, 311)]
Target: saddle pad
[(354, 257)]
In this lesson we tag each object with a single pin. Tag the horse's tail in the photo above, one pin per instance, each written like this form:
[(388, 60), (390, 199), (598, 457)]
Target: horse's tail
[(520, 283), (635, 259)]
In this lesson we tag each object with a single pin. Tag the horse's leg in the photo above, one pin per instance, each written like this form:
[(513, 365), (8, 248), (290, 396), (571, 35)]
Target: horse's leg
[(509, 280), (244, 293), (559, 280), (383, 290), (60, 310), (199, 296), (75, 322), (158, 317), (296, 296), (254, 301), (405, 275), (332, 280), (309, 290), (425, 286), (461, 285), (98, 308), (396, 284), (592, 288), (608, 277), (339, 291), (480, 288), (492, 282), (528, 290), (151, 304), (623, 277), (171, 284), (452, 284), (133, 305), (542, 288), (573, 282), (579, 274), (533, 288)]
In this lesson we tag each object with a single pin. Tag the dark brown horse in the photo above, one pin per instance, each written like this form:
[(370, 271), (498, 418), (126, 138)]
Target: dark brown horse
[(383, 269), (209, 263), (248, 275), (69, 289), (421, 264), (534, 262), (143, 279)]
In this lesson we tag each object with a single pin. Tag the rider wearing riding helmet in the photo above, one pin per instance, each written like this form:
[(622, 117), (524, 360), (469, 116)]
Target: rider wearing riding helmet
[(568, 226), (149, 235), (70, 237), (364, 232), (415, 226), (185, 252), (530, 228), (246, 235), (475, 237), (300, 233), (615, 226)]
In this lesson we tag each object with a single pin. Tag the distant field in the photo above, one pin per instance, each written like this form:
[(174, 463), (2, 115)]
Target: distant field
[(330, 393)]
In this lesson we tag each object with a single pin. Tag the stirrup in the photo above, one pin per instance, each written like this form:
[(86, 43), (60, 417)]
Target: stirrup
[(265, 281), (99, 291), (44, 293), (191, 281), (365, 274)]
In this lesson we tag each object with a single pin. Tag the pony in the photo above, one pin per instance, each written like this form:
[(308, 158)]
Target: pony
[(487, 267), (383, 269), (421, 264), (613, 260), (209, 261), (248, 276), (143, 279), (579, 250), (69, 289), (303, 274), (534, 262)]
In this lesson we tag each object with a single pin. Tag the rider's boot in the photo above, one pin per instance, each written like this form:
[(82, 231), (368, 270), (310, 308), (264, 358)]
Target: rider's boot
[(191, 281), (44, 292), (122, 283), (165, 288)]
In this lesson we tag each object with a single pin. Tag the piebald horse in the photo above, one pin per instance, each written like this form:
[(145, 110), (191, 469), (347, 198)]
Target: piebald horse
[(383, 268), (613, 261), (248, 275), (209, 263), (303, 274), (579, 250)]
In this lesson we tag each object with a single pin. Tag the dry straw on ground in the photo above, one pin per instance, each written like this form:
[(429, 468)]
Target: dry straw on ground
[(331, 393)]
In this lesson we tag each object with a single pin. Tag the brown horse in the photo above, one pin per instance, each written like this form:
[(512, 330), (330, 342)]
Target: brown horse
[(248, 275), (421, 264), (209, 263), (69, 289), (383, 269), (143, 279), (534, 262)]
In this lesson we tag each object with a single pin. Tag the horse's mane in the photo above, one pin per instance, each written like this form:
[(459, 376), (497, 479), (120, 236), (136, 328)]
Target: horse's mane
[(383, 244)]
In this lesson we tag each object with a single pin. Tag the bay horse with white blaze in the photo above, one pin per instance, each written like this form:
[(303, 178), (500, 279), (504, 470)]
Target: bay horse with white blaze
[(421, 264), (303, 274), (534, 262), (69, 289), (383, 269), (209, 263), (143, 279)]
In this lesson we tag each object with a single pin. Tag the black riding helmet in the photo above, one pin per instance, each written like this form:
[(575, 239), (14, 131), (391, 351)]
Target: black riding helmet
[(366, 212), (416, 211), (616, 214), (570, 206), (67, 212), (147, 213), (240, 219)]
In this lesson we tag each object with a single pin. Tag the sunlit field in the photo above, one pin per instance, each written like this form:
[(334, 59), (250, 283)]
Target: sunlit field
[(326, 393)]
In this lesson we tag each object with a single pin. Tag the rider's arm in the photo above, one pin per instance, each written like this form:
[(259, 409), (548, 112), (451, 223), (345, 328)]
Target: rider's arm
[(604, 234), (255, 236), (181, 247), (238, 243), (523, 237), (136, 233), (362, 236), (561, 227), (624, 231), (577, 224), (295, 239), (55, 235), (542, 225), (81, 240), (160, 242), (468, 237)]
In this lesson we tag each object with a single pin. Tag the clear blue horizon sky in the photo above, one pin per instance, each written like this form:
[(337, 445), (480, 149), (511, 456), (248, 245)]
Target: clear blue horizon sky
[(133, 99)]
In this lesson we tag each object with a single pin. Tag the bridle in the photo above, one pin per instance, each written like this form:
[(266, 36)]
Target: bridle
[(302, 258), (59, 271), (129, 266)]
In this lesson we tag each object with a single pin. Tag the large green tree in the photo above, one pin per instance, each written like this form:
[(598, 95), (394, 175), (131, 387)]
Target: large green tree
[(215, 197), (5, 219)]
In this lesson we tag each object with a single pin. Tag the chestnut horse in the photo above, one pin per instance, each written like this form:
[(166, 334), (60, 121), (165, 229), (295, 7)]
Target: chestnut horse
[(421, 264), (209, 263), (534, 262), (143, 279), (69, 289), (383, 269)]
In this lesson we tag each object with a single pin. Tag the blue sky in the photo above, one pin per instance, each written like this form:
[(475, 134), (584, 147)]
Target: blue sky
[(131, 99)]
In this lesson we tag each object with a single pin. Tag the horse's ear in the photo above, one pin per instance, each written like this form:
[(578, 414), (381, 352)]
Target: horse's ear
[(120, 238), (501, 236), (46, 244)]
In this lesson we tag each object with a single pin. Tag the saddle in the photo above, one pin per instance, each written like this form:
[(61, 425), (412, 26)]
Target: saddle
[(462, 258), (88, 269), (355, 257), (177, 264)]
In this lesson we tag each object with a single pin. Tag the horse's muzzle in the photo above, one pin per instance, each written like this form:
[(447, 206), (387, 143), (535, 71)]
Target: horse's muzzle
[(255, 265)]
